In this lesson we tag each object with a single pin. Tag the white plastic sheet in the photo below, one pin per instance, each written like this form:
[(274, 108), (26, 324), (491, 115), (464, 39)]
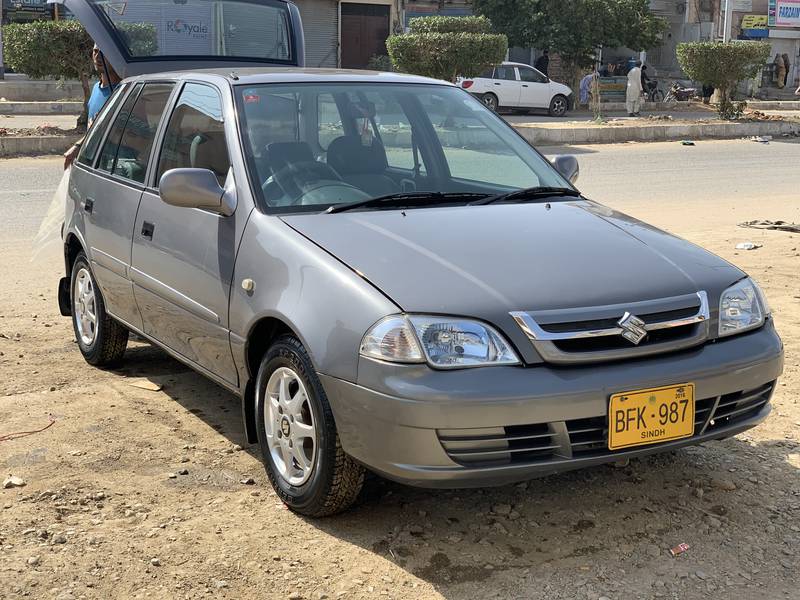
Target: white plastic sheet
[(47, 243)]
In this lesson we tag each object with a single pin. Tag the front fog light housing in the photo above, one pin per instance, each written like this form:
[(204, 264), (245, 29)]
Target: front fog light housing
[(742, 307), (444, 342)]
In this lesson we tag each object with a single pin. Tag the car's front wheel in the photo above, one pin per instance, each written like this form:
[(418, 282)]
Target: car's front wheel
[(558, 106), (101, 339), (299, 444)]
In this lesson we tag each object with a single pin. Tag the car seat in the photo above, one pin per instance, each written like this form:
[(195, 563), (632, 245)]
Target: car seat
[(361, 166), (208, 151)]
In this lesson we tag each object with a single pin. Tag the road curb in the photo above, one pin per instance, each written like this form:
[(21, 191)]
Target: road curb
[(598, 134), (40, 108), (34, 145)]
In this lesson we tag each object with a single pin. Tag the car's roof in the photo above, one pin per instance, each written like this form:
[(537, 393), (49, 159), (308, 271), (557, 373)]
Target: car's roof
[(258, 75), (514, 64)]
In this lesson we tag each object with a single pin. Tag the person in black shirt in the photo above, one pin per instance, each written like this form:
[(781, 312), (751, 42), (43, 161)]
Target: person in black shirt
[(543, 62)]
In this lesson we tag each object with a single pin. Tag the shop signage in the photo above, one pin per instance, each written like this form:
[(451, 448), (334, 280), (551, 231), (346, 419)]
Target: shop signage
[(754, 22), (742, 5), (787, 13), (772, 9)]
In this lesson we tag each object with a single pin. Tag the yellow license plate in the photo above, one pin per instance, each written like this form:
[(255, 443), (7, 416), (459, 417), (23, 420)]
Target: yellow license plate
[(650, 416)]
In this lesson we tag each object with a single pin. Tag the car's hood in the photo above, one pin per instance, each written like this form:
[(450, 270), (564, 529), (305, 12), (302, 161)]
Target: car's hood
[(484, 261)]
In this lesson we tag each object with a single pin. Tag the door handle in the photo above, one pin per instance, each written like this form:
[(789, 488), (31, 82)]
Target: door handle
[(524, 85), (88, 205), (496, 83), (147, 230)]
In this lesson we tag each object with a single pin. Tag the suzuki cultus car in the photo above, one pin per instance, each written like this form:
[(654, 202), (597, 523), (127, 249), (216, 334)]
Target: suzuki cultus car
[(387, 275)]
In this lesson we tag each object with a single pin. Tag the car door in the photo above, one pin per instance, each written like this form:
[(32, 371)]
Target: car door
[(111, 192), (535, 92), (505, 86), (183, 258)]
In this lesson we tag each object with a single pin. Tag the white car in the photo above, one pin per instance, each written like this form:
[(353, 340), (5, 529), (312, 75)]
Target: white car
[(519, 86)]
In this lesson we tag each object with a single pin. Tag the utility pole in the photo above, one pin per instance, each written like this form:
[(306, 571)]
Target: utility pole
[(727, 24)]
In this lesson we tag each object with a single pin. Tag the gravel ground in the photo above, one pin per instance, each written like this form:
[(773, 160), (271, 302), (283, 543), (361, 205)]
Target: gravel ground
[(135, 493)]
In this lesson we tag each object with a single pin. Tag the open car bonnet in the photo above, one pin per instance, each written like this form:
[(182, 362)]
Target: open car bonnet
[(154, 36)]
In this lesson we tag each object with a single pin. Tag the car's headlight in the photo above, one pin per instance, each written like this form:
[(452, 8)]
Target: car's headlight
[(443, 342), (742, 307)]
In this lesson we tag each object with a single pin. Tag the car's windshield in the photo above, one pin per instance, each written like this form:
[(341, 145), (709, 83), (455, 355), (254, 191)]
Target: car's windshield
[(312, 146)]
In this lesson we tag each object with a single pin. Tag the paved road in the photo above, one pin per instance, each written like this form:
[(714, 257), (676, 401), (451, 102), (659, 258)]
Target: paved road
[(625, 176)]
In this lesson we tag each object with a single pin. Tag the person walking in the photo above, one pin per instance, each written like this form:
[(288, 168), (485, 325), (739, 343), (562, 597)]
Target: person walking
[(780, 71), (543, 62), (787, 65), (633, 97)]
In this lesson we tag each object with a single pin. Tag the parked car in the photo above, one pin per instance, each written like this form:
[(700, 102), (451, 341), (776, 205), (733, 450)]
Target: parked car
[(520, 87), (391, 279)]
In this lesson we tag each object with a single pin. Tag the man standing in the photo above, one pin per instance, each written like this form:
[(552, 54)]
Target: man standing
[(634, 94), (100, 93), (543, 62)]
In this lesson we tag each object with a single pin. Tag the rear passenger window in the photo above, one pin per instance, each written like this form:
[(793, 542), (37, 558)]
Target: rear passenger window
[(126, 152), (92, 141), (506, 73), (195, 136)]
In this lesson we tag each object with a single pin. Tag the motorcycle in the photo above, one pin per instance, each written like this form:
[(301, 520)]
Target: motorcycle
[(680, 93)]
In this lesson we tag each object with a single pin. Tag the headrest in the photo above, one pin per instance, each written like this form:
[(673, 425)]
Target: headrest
[(348, 156)]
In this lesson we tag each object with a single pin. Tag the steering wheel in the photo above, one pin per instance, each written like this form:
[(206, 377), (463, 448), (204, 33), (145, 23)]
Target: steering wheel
[(292, 178)]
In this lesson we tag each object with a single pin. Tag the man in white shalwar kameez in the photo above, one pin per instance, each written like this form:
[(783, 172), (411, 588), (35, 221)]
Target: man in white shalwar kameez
[(634, 94)]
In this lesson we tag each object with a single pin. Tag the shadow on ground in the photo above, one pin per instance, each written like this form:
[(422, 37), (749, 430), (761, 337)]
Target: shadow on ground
[(585, 534)]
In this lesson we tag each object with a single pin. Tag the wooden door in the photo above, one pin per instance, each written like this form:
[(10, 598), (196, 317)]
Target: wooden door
[(365, 28)]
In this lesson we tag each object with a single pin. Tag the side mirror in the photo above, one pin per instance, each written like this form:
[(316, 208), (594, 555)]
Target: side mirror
[(568, 166), (195, 188)]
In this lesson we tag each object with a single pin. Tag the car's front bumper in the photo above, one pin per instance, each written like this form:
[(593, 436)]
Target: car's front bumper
[(394, 419)]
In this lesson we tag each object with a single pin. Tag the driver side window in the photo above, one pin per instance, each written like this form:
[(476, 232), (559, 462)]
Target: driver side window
[(195, 136)]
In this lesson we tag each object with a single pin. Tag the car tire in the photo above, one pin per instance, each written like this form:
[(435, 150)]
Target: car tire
[(300, 446), (558, 106), (490, 101), (101, 339)]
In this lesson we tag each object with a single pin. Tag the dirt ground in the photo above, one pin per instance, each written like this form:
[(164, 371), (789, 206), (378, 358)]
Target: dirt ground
[(105, 512)]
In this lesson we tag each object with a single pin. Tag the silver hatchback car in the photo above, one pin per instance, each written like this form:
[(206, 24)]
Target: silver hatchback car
[(388, 276)]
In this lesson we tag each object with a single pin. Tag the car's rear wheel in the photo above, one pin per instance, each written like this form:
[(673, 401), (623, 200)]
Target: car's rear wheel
[(558, 106), (299, 444), (101, 339), (490, 101)]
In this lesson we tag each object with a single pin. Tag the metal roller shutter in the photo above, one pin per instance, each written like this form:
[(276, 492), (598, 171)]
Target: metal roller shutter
[(321, 30)]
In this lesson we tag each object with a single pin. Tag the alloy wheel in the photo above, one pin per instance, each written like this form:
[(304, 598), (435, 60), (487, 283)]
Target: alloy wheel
[(85, 306), (290, 426)]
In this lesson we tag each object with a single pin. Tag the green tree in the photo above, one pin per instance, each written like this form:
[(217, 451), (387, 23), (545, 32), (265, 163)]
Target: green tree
[(574, 29), (63, 50), (51, 49), (447, 47), (723, 66)]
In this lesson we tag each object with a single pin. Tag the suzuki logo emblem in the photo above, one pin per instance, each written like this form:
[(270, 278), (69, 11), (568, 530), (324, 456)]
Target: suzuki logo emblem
[(633, 328)]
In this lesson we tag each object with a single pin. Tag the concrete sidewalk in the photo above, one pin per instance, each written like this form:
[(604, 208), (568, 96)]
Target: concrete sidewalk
[(544, 134)]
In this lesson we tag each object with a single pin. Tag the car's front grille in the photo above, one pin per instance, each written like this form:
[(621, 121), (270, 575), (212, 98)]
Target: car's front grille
[(741, 405), (581, 438), (603, 333)]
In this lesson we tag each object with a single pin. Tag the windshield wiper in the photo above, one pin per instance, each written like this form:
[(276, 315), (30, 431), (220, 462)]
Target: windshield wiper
[(533, 193), (406, 199)]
